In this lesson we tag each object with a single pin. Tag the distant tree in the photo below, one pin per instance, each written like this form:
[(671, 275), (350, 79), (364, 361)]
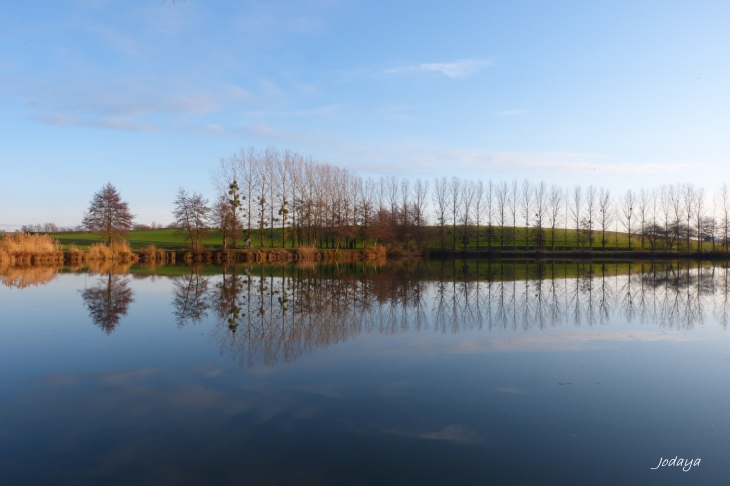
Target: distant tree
[(576, 210), (723, 203), (440, 200), (525, 204), (420, 193), (605, 215), (191, 218), (108, 214), (628, 206), (555, 202)]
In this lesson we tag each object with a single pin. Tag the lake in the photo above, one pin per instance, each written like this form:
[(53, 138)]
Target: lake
[(409, 373)]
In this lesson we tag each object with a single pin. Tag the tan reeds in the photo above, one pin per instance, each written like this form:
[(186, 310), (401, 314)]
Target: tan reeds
[(308, 253), (375, 253), (152, 254), (27, 249), (117, 251)]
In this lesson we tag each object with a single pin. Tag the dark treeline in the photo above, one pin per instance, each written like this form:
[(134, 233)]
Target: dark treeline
[(283, 199)]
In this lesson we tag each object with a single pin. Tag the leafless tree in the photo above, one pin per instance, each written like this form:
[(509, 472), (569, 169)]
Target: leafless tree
[(701, 222), (468, 190), (440, 200), (191, 214), (605, 211), (723, 203), (480, 204), (541, 205), (420, 198), (555, 203), (576, 210), (502, 195), (455, 201), (591, 212), (526, 196), (513, 202), (628, 203)]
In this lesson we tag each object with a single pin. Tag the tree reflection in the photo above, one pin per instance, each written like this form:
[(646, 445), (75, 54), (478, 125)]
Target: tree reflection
[(108, 301), (191, 297), (269, 314)]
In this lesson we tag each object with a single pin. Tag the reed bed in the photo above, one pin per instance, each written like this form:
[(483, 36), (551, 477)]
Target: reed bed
[(152, 254), (375, 253), (117, 251), (27, 249), (308, 253)]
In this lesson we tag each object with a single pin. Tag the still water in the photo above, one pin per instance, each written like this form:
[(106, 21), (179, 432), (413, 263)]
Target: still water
[(412, 373)]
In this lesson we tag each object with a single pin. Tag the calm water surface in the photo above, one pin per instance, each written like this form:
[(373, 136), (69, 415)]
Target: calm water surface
[(439, 373)]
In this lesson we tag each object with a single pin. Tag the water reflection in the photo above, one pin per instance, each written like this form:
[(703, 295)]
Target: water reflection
[(108, 301), (191, 297), (267, 314)]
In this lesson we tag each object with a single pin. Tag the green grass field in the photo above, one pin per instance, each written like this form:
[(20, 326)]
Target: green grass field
[(168, 239)]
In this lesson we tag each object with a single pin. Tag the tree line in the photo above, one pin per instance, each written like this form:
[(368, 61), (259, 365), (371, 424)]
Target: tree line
[(271, 198)]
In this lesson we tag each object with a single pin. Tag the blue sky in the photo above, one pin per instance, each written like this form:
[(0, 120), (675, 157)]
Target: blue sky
[(150, 95)]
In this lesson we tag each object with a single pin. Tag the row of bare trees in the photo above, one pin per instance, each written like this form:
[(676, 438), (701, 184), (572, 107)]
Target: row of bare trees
[(535, 214), (283, 199), (275, 198)]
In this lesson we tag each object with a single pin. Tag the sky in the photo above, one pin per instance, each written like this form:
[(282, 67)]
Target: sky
[(150, 95)]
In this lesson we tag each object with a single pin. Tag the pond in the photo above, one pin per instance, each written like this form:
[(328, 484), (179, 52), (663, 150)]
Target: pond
[(409, 373)]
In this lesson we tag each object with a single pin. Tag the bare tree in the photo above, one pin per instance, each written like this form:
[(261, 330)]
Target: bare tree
[(526, 196), (468, 190), (191, 217), (644, 197), (455, 200), (628, 203), (605, 213), (221, 217), (420, 193), (479, 207), (541, 211), (440, 200), (555, 203), (502, 195), (688, 200), (576, 210), (702, 223), (591, 210), (108, 214), (513, 202), (723, 203)]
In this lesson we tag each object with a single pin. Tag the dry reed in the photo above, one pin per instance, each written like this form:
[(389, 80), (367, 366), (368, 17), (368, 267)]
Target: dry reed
[(152, 254), (308, 253), (117, 251)]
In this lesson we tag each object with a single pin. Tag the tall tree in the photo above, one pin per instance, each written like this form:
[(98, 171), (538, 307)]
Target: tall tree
[(440, 201), (555, 202), (605, 213), (628, 206), (108, 214), (191, 218)]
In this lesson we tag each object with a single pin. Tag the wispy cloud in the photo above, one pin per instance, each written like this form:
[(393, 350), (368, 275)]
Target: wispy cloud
[(457, 69), (518, 111)]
